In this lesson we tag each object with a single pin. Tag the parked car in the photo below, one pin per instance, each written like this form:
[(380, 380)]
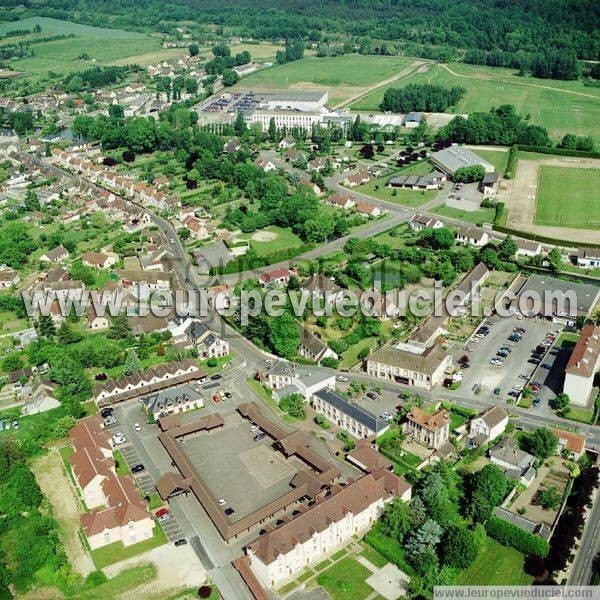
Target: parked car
[(181, 542), (259, 436), (162, 511), (372, 395), (216, 398), (203, 380), (138, 468), (110, 420), (228, 395), (216, 377), (514, 394), (342, 378), (536, 402), (137, 427), (119, 438), (229, 511), (546, 366), (534, 361), (222, 501), (386, 415), (497, 391), (106, 412), (163, 518)]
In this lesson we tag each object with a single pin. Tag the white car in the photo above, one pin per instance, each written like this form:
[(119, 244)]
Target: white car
[(342, 378), (119, 438), (253, 427), (172, 241), (137, 427), (222, 501), (518, 387), (386, 415)]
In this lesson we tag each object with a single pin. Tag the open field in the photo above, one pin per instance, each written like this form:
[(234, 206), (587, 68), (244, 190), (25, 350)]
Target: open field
[(498, 158), (560, 106), (476, 217), (568, 197), (103, 46), (259, 52), (495, 565), (272, 239), (341, 76), (556, 197), (346, 580)]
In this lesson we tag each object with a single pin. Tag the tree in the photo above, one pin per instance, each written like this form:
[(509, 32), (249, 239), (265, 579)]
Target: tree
[(132, 363), (421, 97), (542, 443), (119, 328), (63, 426), (469, 174), (426, 537), (459, 547), (240, 126), (507, 248), (230, 77), (550, 498), (12, 362), (45, 326), (396, 521), (555, 259), (561, 402), (417, 511), (32, 201), (283, 335), (293, 404), (193, 49), (488, 488), (116, 111), (66, 335), (21, 492)]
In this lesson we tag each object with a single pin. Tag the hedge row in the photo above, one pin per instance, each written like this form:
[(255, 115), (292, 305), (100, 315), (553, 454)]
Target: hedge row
[(508, 534), (243, 263), (560, 151), (463, 411), (513, 160), (388, 548)]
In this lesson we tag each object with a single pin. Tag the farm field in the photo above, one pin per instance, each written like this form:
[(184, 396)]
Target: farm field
[(260, 52), (568, 197), (560, 106), (104, 46), (341, 76)]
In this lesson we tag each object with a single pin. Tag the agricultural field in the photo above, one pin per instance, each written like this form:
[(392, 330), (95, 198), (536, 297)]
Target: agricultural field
[(342, 76), (560, 106), (102, 45), (568, 197), (259, 52)]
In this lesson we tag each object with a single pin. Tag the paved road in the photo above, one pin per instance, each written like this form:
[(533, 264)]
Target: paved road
[(581, 570)]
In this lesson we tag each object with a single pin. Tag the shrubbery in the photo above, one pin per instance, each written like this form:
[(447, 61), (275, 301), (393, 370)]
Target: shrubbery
[(508, 534)]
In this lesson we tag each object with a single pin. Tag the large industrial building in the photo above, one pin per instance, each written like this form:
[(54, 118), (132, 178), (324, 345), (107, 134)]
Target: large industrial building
[(450, 159)]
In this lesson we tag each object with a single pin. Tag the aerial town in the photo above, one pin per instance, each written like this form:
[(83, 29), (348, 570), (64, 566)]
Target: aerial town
[(298, 303)]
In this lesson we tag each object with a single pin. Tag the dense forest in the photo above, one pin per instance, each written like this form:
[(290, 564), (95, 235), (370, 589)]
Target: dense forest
[(506, 25)]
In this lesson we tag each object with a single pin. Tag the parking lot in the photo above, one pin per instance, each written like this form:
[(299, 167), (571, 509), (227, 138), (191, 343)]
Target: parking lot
[(515, 368)]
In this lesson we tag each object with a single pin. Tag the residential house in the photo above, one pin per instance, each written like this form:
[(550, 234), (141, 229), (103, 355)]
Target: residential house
[(312, 347), (419, 222), (99, 260), (472, 236), (8, 278), (57, 254), (366, 209), (517, 464), (489, 184), (573, 443), (357, 421), (583, 365), (278, 277), (430, 429), (318, 164), (96, 322), (412, 120), (432, 181), (231, 145), (265, 164), (527, 248), (42, 398), (287, 142), (488, 425), (588, 258), (341, 200), (358, 178), (321, 286), (190, 333)]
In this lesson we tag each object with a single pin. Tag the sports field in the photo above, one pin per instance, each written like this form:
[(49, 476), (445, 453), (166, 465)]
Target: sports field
[(568, 197), (560, 106), (342, 76), (102, 45)]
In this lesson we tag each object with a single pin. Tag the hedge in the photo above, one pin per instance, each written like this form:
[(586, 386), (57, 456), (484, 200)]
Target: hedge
[(508, 534), (513, 160), (243, 263), (388, 548), (463, 411), (560, 151)]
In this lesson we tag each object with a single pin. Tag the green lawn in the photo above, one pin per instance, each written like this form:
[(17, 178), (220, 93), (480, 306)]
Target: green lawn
[(374, 557), (126, 580), (122, 468), (499, 158), (115, 552), (483, 215), (495, 565), (568, 197), (456, 421), (341, 76), (377, 188), (62, 56), (569, 107), (346, 580), (282, 239)]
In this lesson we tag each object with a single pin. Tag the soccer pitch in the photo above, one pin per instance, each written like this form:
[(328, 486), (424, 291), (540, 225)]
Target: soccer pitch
[(568, 197)]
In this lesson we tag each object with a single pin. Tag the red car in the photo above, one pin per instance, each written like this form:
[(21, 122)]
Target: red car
[(216, 398), (162, 511)]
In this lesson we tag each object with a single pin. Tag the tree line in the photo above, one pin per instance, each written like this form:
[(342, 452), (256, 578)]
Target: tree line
[(421, 97)]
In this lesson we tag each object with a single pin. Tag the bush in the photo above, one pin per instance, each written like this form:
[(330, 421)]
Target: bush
[(212, 362), (388, 548), (560, 151), (329, 361), (513, 161), (508, 534)]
